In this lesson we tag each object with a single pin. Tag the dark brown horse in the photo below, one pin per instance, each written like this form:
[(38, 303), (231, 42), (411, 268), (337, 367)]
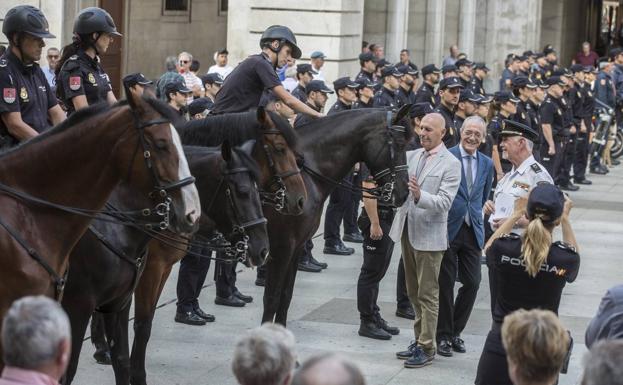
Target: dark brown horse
[(78, 164), (225, 178), (284, 192), (331, 146)]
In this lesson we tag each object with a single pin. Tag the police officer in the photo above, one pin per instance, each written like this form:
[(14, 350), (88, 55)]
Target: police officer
[(386, 97), (586, 126), (536, 99), (316, 97), (449, 92), (568, 135), (365, 92), (405, 94), (523, 89), (200, 108), (529, 273), (375, 222), (449, 70), (367, 61), (136, 83), (212, 83), (416, 113), (340, 200), (604, 92), (177, 95), (426, 92), (504, 107), (465, 108), (464, 71), (243, 88), (552, 123), (304, 75), (509, 72), (81, 79), (476, 85), (27, 103)]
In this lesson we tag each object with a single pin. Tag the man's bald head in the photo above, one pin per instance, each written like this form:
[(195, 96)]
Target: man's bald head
[(328, 369), (432, 128)]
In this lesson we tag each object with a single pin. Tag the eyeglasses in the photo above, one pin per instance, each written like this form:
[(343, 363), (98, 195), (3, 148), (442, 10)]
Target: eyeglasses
[(53, 56), (476, 134), (184, 61)]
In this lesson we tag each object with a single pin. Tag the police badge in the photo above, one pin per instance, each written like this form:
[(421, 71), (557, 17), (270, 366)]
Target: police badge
[(91, 79), (8, 95), (23, 94)]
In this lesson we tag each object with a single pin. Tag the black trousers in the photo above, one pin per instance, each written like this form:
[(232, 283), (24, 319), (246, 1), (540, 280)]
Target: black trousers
[(552, 162), (402, 297), (339, 202), (581, 156), (352, 210), (306, 252), (563, 175), (190, 280), (377, 255), (463, 257), (492, 366), (225, 277)]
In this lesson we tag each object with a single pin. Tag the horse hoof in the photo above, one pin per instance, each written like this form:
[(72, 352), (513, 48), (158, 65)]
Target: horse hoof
[(102, 357)]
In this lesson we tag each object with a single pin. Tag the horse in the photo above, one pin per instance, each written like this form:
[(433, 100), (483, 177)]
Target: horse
[(52, 185), (283, 193), (225, 178), (330, 147)]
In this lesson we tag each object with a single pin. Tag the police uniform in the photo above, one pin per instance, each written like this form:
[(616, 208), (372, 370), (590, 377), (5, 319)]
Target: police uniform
[(365, 75), (25, 90), (299, 93), (425, 94), (535, 123), (551, 113), (404, 97), (385, 98), (82, 75), (582, 145), (505, 80), (476, 85)]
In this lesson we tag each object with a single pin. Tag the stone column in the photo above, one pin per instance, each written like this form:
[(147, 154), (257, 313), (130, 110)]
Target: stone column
[(467, 26), (435, 26), (397, 23)]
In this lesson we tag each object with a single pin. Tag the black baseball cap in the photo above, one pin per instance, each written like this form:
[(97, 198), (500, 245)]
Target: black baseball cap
[(576, 68), (390, 71), (318, 85), (430, 69), (212, 78), (176, 86), (505, 96), (521, 81), (136, 78), (614, 52), (552, 80), (463, 62), (548, 49), (200, 105), (365, 82), (528, 53), (481, 66), (367, 56), (468, 95), (407, 69), (305, 68), (418, 110), (451, 82), (546, 201), (513, 128), (448, 68), (382, 63), (344, 82)]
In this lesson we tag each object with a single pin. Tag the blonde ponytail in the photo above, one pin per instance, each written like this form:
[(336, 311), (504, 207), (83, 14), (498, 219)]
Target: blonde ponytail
[(535, 246)]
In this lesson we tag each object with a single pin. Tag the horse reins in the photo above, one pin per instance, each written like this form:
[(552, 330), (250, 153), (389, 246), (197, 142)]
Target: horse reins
[(276, 198)]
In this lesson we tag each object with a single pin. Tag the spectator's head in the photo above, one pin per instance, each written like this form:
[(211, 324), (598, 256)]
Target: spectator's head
[(221, 57), (378, 51), (194, 66), (136, 83), (404, 56), (200, 108), (177, 93), (265, 356), (602, 364), (365, 46), (317, 59), (53, 56), (454, 51), (36, 336), (317, 93), (184, 60), (212, 84), (170, 63), (328, 369), (473, 131), (432, 130), (271, 102), (536, 345), (586, 48)]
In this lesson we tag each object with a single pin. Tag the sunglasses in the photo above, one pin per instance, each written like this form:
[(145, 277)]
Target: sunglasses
[(184, 61), (53, 56)]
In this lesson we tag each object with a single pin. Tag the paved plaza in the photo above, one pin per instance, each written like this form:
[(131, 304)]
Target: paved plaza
[(323, 315)]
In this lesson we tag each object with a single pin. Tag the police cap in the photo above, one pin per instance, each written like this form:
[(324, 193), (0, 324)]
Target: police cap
[(418, 110), (521, 81), (576, 68), (200, 105), (94, 19), (407, 69), (318, 55), (176, 86), (468, 96), (305, 68), (430, 69), (212, 78), (614, 52), (382, 63), (448, 68), (390, 71), (344, 82), (136, 78), (283, 34), (317, 85), (481, 66), (28, 19), (513, 128), (364, 82), (463, 62), (546, 201), (504, 96), (553, 80), (451, 82), (367, 56)]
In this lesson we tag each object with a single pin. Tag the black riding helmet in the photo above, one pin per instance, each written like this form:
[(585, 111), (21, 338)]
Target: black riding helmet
[(94, 19), (27, 19), (284, 35)]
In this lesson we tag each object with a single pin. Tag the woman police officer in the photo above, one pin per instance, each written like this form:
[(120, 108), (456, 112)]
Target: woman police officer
[(80, 78), (531, 270)]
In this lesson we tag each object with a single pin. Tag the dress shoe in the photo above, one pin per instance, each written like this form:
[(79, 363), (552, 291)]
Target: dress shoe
[(458, 345), (370, 329), (245, 298), (339, 249), (568, 187), (353, 237), (189, 318), (232, 300), (260, 282), (405, 312), (393, 330), (204, 315), (316, 262), (419, 358), (406, 354), (583, 181), (444, 348), (102, 357), (309, 267), (598, 170), (615, 162)]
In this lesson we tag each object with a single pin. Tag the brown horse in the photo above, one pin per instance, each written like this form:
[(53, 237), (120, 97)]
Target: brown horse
[(77, 165), (280, 178)]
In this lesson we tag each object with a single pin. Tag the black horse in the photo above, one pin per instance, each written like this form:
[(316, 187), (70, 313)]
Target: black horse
[(107, 262), (331, 146)]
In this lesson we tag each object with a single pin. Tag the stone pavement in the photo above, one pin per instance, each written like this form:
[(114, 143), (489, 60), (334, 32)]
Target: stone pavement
[(323, 313)]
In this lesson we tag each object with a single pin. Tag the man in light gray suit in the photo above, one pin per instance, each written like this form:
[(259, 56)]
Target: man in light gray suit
[(421, 224)]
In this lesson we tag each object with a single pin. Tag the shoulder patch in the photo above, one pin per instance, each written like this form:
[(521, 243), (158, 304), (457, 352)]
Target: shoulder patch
[(8, 95), (511, 236), (3, 62), (602, 82), (565, 246), (536, 168)]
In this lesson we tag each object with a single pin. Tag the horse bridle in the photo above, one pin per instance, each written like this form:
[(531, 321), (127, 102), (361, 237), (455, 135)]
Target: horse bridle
[(276, 198), (161, 190), (241, 246)]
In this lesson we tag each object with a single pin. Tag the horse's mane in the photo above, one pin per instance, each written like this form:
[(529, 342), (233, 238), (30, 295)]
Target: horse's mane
[(237, 128), (246, 159)]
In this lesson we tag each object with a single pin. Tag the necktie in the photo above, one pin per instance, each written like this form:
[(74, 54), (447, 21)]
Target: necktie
[(470, 184), (422, 163)]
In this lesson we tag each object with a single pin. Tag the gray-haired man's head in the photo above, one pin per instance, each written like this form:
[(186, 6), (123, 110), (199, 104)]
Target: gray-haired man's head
[(328, 369)]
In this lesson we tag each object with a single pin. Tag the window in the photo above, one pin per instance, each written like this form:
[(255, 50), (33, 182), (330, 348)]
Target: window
[(223, 6), (176, 11), (176, 5)]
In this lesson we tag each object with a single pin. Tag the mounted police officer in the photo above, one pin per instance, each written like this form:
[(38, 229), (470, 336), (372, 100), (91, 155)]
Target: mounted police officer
[(81, 79), (426, 92), (27, 103), (387, 97)]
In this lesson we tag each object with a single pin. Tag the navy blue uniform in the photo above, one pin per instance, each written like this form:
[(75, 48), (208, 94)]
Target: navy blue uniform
[(365, 75), (475, 85), (522, 115), (580, 161), (425, 94), (505, 80), (299, 93), (551, 113), (452, 137), (360, 104), (404, 97), (24, 90), (82, 75), (513, 288), (337, 107), (385, 98), (535, 123)]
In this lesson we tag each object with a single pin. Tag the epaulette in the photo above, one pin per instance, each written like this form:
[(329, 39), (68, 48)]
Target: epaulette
[(511, 236), (3, 62), (71, 63), (565, 246), (536, 168)]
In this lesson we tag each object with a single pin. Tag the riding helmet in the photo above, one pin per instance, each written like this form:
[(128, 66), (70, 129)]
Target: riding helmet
[(284, 35), (94, 19), (28, 19)]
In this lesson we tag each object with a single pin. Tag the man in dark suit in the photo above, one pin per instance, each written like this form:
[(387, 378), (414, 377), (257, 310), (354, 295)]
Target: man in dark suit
[(466, 236)]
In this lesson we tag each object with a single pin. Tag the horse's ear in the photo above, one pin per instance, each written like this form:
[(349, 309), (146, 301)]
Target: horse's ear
[(134, 99), (247, 147), (402, 112), (262, 117), (226, 151)]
